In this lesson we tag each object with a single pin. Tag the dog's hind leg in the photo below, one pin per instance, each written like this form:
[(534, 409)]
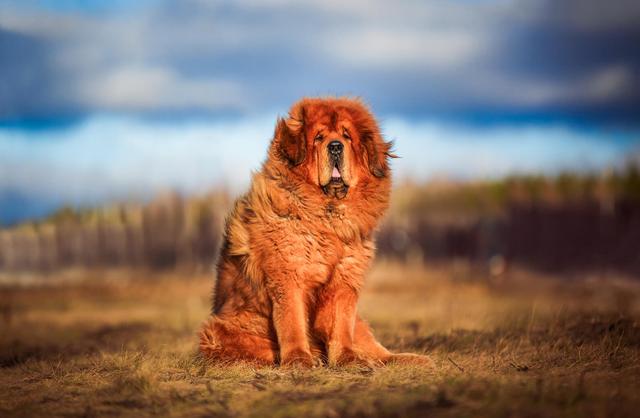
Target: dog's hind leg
[(224, 342), (364, 342)]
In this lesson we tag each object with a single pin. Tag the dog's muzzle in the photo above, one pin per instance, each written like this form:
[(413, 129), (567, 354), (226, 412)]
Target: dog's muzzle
[(336, 187)]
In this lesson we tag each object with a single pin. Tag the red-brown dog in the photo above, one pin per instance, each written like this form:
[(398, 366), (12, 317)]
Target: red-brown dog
[(298, 244)]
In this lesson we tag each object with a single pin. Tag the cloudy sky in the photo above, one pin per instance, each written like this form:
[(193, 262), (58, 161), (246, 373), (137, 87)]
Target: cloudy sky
[(110, 99)]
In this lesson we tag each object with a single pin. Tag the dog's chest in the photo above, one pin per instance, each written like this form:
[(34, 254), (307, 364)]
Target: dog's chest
[(322, 252), (312, 245), (342, 223)]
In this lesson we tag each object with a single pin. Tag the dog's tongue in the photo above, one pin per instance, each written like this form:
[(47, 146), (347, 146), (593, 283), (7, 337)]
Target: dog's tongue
[(335, 173)]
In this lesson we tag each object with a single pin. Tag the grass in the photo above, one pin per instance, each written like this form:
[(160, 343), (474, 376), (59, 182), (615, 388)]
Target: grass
[(122, 343)]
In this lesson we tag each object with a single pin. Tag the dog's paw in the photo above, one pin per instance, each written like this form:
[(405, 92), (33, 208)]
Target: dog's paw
[(298, 358), (349, 357)]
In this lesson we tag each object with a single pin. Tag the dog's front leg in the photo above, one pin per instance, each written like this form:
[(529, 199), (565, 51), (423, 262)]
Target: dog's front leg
[(290, 322), (335, 322)]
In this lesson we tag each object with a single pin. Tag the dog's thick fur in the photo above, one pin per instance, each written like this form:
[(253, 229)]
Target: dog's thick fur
[(298, 244)]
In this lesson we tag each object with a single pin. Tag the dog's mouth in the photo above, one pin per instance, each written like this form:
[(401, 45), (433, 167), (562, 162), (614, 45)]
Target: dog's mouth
[(336, 177), (336, 186)]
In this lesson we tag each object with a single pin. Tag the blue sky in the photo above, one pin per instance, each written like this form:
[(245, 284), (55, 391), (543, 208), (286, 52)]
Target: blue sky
[(113, 100)]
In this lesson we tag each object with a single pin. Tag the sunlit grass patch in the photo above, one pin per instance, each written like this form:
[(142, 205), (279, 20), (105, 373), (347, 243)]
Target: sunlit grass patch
[(530, 345)]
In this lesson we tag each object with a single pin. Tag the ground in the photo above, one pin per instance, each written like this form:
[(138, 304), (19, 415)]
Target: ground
[(123, 343)]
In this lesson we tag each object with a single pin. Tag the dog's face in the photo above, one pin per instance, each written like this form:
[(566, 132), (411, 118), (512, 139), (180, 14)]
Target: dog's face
[(333, 143)]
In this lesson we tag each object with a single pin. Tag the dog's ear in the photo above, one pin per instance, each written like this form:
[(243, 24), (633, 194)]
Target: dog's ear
[(378, 151), (290, 136)]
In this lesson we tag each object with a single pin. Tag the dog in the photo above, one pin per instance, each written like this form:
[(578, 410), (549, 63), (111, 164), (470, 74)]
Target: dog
[(297, 246)]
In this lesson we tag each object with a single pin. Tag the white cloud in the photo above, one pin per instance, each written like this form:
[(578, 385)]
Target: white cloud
[(613, 81), (599, 86), (157, 88), (394, 48), (587, 15)]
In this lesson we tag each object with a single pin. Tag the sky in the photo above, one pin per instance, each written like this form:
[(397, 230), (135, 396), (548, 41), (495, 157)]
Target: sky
[(106, 101)]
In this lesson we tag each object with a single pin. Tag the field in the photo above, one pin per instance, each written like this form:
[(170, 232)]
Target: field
[(122, 343)]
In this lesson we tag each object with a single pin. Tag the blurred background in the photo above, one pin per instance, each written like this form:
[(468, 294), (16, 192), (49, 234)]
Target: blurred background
[(128, 128)]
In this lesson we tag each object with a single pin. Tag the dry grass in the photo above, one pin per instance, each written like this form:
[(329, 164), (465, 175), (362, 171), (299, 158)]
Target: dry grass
[(123, 344)]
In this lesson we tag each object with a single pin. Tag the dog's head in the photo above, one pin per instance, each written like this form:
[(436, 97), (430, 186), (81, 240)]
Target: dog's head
[(334, 143)]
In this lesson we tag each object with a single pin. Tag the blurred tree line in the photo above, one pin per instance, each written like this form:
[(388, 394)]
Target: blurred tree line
[(568, 222), (169, 232), (564, 222)]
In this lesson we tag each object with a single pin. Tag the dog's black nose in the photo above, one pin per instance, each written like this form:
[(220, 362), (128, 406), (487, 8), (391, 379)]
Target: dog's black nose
[(335, 147)]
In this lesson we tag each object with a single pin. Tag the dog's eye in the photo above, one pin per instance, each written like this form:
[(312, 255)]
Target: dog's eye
[(345, 133), (319, 137)]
